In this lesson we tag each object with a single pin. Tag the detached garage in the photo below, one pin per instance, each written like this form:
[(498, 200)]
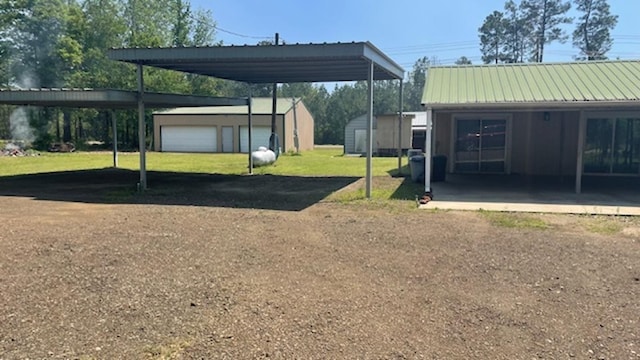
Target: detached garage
[(225, 128)]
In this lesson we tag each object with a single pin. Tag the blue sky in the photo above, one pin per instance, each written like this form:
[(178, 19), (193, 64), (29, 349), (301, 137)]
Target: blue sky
[(406, 30)]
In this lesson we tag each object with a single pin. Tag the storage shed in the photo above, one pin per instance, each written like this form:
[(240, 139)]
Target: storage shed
[(224, 128), (386, 135)]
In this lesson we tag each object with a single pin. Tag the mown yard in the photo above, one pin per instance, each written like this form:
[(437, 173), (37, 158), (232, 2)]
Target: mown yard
[(294, 263)]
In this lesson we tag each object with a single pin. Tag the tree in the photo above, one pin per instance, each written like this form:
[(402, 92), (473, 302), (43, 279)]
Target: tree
[(518, 31), (492, 37), (414, 87), (545, 18), (182, 23), (592, 34), (463, 60)]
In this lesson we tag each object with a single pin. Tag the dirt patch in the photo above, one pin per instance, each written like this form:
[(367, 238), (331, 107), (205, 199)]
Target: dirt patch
[(82, 278)]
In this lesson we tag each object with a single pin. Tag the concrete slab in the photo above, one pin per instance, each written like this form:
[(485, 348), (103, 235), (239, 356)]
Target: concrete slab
[(603, 196)]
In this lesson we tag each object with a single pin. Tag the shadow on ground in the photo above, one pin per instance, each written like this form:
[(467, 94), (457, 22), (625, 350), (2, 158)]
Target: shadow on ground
[(119, 186), (408, 190), (596, 190)]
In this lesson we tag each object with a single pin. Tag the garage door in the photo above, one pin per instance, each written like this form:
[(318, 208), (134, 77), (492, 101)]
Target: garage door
[(259, 137), (189, 138)]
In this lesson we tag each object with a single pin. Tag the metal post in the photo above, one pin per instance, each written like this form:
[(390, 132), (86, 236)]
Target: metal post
[(249, 131), (369, 128), (142, 185), (582, 130), (114, 137), (427, 151), (400, 115), (296, 140), (273, 144)]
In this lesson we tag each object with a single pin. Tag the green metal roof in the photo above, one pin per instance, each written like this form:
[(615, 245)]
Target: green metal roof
[(259, 106), (594, 83)]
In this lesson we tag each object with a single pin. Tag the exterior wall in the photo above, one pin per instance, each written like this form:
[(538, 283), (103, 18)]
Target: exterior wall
[(538, 146), (305, 129), (545, 147), (442, 125), (350, 132), (234, 121), (387, 132)]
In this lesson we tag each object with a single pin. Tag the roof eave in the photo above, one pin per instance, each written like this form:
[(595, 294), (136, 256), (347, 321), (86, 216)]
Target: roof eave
[(523, 106), (112, 99)]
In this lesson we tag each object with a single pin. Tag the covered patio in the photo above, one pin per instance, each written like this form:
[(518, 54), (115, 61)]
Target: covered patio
[(537, 194)]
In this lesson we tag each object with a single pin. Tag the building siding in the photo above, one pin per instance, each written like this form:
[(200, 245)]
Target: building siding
[(284, 125), (538, 146), (350, 132)]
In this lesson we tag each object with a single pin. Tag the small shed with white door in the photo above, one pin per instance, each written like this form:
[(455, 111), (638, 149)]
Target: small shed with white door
[(224, 128), (387, 134)]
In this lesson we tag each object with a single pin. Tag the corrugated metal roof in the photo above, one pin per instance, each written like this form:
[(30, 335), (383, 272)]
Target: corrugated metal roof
[(259, 106), (109, 99), (533, 84), (327, 62)]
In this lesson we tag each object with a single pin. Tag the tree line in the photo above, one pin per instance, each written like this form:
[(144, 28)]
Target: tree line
[(63, 44), (522, 30)]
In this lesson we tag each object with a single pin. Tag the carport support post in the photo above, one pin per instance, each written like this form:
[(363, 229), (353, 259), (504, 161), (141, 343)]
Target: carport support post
[(400, 131), (582, 130), (250, 129), (141, 132), (114, 137), (369, 127), (427, 152)]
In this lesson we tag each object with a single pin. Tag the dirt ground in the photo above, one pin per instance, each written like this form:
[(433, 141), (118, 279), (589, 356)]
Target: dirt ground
[(213, 267)]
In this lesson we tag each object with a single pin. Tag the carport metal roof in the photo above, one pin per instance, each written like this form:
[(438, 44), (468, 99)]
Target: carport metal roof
[(108, 99), (271, 63), (261, 64)]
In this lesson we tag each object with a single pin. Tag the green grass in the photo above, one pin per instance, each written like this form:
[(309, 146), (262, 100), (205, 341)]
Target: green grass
[(513, 220), (319, 162), (604, 226)]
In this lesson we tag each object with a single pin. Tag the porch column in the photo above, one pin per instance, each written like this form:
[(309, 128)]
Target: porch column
[(369, 177), (400, 101), (114, 138), (582, 132), (427, 152), (142, 185), (250, 129)]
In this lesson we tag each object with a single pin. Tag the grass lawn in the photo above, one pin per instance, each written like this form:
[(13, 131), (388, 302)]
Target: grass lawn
[(322, 162), (319, 162)]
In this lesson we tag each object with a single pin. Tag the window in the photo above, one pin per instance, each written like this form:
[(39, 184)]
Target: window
[(480, 145), (612, 145)]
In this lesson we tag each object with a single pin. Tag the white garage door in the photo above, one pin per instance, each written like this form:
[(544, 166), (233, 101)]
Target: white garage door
[(189, 138), (259, 137)]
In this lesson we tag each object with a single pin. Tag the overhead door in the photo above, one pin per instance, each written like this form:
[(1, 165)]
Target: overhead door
[(259, 137), (189, 138)]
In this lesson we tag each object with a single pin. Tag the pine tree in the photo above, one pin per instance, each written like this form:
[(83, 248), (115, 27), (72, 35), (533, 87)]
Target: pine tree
[(492, 37), (545, 18), (592, 35), (516, 42)]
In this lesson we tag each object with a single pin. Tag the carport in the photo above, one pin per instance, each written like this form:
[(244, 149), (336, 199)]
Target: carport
[(271, 64), (113, 99)]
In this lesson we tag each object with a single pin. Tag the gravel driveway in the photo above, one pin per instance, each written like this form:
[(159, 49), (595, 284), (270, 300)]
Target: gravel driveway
[(197, 273)]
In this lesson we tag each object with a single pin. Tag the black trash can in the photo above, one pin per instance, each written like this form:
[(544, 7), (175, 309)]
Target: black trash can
[(439, 171)]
